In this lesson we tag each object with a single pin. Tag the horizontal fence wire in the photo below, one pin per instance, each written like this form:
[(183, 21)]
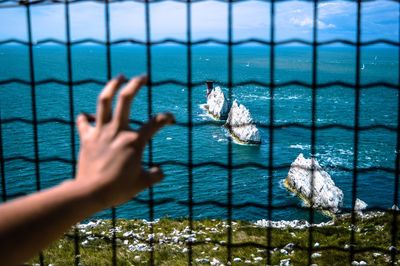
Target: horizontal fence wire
[(325, 85), (243, 205), (285, 125), (272, 125), (203, 42), (215, 164), (44, 2)]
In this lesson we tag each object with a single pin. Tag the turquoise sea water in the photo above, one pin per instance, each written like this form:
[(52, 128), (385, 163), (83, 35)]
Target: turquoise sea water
[(335, 105)]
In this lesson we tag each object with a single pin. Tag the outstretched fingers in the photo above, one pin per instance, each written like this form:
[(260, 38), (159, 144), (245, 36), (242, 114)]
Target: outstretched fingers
[(126, 96), (148, 130), (103, 114)]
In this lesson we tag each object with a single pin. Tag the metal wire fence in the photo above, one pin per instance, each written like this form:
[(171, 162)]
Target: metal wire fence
[(189, 84)]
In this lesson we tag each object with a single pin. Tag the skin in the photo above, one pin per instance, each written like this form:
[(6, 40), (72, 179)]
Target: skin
[(109, 173)]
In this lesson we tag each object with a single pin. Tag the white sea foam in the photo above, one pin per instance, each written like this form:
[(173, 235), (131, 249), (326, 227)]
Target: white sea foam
[(300, 146), (276, 98)]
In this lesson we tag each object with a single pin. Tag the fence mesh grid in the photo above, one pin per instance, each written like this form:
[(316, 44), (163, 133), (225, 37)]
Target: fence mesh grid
[(271, 126)]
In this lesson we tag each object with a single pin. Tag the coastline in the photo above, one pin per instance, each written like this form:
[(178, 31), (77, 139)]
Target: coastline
[(171, 240)]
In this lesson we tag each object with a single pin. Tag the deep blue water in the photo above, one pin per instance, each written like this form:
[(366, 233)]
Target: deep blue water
[(292, 104)]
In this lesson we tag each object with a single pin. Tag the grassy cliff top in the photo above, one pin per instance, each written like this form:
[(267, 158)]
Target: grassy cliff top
[(172, 240)]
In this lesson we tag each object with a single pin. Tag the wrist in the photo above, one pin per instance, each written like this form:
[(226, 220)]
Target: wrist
[(86, 194)]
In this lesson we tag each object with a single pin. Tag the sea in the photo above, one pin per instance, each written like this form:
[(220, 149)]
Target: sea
[(334, 139)]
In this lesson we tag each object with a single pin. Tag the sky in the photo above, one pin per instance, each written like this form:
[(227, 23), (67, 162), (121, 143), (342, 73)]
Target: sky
[(251, 19)]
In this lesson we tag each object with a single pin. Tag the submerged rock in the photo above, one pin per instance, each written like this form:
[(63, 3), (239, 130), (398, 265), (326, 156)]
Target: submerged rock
[(325, 194), (217, 104), (240, 125)]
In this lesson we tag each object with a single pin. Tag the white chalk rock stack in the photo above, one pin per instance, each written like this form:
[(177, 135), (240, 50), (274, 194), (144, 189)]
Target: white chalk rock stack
[(325, 194), (217, 104), (360, 205), (240, 125)]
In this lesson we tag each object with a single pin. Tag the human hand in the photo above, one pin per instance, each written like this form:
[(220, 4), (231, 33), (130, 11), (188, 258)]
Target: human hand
[(110, 154)]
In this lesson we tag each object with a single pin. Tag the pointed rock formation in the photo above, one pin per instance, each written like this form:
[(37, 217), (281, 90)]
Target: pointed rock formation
[(240, 125), (217, 104), (325, 194)]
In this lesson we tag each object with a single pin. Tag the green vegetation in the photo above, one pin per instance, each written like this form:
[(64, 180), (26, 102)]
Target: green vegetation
[(172, 238)]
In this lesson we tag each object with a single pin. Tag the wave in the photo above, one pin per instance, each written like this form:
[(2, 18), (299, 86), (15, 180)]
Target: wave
[(263, 97), (300, 146)]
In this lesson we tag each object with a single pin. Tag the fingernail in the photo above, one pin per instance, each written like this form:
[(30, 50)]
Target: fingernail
[(170, 118), (121, 78), (143, 78), (89, 117)]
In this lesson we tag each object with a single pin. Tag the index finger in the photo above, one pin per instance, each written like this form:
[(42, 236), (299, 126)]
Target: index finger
[(121, 117)]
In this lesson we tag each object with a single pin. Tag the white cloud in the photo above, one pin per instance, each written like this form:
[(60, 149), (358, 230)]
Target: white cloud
[(302, 22), (322, 25), (308, 22), (332, 9)]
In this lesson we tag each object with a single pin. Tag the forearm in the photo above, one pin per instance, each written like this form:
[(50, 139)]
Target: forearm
[(29, 224), (109, 173)]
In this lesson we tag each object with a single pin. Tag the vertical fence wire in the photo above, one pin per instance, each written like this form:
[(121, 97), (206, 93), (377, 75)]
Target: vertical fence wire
[(356, 128), (149, 114), (230, 155), (33, 104), (397, 162), (2, 164), (314, 88), (190, 124), (109, 75), (71, 115), (271, 128)]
